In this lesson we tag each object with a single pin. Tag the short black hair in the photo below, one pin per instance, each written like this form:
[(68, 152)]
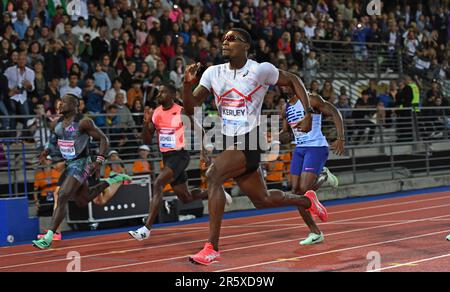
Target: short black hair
[(171, 87), (244, 34)]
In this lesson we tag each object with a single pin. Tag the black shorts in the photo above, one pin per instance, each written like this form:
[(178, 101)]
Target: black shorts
[(92, 180), (252, 144), (178, 161)]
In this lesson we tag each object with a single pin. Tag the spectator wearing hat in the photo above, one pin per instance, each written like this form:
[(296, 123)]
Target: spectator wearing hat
[(142, 165), (114, 164)]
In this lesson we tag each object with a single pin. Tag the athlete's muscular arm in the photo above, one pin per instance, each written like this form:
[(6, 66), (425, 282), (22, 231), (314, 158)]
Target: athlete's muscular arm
[(149, 127), (285, 134), (291, 80), (327, 109), (196, 98), (87, 126)]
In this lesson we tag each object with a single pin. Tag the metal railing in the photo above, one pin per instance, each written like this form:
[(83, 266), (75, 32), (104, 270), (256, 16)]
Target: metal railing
[(374, 137), (357, 60)]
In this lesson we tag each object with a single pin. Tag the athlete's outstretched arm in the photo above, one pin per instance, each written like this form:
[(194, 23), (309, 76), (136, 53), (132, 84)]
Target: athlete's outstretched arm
[(196, 98), (148, 126), (288, 79), (327, 109)]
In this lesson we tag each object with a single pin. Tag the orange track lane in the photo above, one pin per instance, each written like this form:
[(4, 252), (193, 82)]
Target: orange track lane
[(408, 234)]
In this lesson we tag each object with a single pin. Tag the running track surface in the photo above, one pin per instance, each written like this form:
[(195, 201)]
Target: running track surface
[(407, 232)]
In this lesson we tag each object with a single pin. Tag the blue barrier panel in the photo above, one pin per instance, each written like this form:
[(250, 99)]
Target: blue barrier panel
[(15, 225)]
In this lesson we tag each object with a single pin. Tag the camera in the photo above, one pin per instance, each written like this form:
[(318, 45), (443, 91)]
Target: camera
[(20, 88)]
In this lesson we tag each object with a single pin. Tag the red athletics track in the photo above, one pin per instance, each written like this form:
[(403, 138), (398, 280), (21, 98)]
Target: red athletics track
[(408, 232)]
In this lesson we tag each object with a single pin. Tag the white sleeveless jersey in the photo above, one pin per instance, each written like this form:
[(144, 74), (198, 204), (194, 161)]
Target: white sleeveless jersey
[(314, 138), (239, 94)]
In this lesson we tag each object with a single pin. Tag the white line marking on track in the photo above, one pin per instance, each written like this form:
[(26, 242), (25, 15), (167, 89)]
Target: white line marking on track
[(224, 237), (336, 250), (228, 220), (255, 246), (411, 263)]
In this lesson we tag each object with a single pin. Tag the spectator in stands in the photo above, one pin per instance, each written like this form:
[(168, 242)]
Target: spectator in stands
[(101, 79), (39, 132), (134, 93), (344, 106), (72, 87), (314, 86), (404, 99), (114, 164), (111, 71), (127, 75), (177, 75), (137, 110), (327, 92), (40, 83), (68, 36), (51, 94), (100, 44), (363, 117), (142, 165), (93, 96), (311, 67), (433, 93), (4, 100), (45, 180), (20, 84), (110, 95)]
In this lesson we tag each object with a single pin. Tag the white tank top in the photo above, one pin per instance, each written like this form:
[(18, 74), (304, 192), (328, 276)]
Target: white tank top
[(239, 94), (314, 138)]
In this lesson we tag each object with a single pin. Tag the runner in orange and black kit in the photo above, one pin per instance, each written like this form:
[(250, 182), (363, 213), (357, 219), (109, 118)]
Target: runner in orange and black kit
[(166, 120)]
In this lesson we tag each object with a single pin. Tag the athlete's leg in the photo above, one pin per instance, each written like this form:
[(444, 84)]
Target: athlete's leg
[(107, 194), (55, 204), (186, 196), (164, 177), (229, 164), (297, 188), (254, 186), (68, 189)]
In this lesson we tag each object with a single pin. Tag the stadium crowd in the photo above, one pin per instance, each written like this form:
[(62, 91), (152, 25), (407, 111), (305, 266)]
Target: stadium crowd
[(113, 55)]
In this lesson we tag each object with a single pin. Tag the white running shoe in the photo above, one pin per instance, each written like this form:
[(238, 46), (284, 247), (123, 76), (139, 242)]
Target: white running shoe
[(332, 180), (140, 234), (228, 197)]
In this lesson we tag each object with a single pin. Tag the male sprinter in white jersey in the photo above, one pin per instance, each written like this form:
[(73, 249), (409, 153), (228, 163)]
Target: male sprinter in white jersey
[(73, 133), (311, 152), (239, 88), (166, 120)]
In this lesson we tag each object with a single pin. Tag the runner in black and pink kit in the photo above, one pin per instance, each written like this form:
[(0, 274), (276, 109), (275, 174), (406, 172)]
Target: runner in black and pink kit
[(239, 88)]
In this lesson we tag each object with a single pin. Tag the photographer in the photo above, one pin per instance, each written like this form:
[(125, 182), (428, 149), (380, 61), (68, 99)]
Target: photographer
[(85, 52), (20, 82)]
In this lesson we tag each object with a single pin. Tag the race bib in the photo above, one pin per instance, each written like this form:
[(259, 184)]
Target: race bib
[(167, 140), (50, 197), (300, 137), (234, 115), (67, 148)]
